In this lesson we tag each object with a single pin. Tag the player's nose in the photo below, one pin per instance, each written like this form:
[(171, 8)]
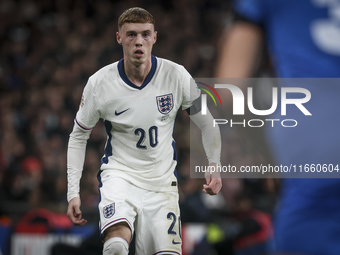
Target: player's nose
[(139, 40)]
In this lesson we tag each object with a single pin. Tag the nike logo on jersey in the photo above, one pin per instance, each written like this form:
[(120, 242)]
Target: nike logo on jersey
[(119, 113), (173, 241)]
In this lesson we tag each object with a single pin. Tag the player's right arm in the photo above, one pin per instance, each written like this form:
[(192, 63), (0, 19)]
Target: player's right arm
[(74, 212), (87, 117), (75, 161)]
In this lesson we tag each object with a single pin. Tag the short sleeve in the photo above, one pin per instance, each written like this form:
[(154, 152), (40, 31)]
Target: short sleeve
[(190, 90), (88, 113), (252, 10)]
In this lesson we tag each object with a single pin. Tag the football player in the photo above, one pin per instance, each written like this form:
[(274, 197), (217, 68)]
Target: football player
[(138, 98)]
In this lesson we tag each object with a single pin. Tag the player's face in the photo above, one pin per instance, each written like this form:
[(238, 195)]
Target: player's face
[(137, 40)]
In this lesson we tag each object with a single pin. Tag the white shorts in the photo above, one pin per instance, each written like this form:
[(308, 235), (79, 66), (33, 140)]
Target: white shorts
[(154, 215)]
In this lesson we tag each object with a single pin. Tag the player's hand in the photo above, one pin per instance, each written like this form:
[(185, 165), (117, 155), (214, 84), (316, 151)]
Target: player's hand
[(214, 182), (74, 213)]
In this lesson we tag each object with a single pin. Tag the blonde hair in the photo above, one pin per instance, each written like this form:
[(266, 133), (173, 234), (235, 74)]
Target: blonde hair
[(135, 15)]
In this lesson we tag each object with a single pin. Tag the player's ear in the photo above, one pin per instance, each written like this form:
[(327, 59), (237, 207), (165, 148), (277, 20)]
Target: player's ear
[(155, 37), (119, 39)]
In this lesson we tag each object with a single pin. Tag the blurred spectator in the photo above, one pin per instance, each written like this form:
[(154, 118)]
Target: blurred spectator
[(48, 50)]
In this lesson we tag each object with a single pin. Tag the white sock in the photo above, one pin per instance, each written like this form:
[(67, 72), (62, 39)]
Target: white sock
[(116, 246)]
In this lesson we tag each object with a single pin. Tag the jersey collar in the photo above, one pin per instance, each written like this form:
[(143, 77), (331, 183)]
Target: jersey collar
[(148, 78)]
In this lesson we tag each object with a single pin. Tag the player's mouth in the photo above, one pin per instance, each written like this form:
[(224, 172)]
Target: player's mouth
[(138, 53)]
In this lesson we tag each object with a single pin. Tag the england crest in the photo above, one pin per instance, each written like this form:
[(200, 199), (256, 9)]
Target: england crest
[(109, 210), (165, 103)]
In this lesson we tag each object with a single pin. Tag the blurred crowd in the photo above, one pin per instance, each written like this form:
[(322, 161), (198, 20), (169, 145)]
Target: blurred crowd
[(48, 49)]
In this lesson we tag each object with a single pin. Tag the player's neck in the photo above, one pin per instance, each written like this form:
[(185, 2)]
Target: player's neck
[(137, 73)]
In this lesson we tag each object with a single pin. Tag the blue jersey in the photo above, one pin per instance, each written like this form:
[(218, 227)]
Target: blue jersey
[(303, 37)]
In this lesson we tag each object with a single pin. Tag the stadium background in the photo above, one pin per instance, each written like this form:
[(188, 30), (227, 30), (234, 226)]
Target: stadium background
[(48, 49)]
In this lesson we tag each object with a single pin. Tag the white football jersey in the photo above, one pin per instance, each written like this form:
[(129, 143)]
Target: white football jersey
[(139, 121)]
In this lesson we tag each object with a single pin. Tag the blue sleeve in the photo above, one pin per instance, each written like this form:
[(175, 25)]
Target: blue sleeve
[(251, 10)]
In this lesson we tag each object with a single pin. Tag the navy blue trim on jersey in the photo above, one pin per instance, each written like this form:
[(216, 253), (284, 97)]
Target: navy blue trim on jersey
[(100, 183), (148, 78), (100, 197), (174, 148), (108, 147), (175, 157), (175, 153)]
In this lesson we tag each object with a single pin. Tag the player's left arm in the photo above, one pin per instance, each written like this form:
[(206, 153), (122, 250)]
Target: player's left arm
[(211, 136), (211, 139)]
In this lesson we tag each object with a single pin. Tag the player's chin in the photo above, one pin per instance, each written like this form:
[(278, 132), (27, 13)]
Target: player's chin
[(139, 60)]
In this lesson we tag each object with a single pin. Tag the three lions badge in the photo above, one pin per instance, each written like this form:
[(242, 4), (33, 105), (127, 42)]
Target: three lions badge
[(165, 103), (109, 210)]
